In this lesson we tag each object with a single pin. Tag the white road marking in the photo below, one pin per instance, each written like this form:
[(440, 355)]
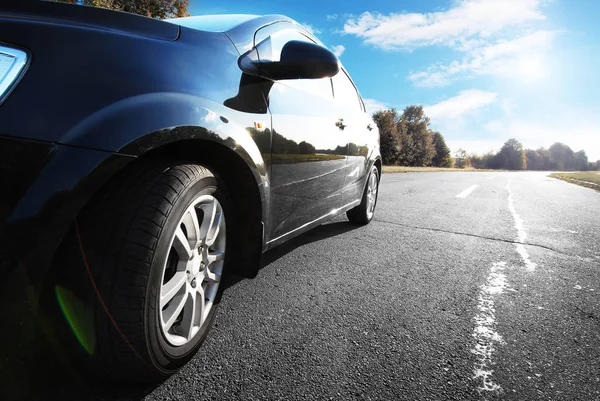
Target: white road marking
[(485, 334), (467, 191), (521, 234), (560, 230)]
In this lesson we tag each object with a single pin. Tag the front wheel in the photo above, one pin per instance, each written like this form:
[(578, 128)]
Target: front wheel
[(363, 213), (151, 253)]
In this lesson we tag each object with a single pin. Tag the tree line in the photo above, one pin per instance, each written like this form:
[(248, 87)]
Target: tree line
[(406, 140), (512, 156)]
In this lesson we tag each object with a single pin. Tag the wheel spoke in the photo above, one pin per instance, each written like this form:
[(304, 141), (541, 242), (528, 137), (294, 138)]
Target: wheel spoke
[(172, 312), (189, 314), (182, 245), (172, 287), (200, 305), (192, 314), (211, 277), (190, 220), (210, 212), (214, 256), (213, 232)]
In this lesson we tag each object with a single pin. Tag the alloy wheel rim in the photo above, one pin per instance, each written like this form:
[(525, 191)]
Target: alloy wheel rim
[(371, 195), (192, 270)]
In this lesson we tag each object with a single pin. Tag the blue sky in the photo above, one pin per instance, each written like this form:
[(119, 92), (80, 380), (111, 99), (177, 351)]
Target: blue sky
[(485, 70)]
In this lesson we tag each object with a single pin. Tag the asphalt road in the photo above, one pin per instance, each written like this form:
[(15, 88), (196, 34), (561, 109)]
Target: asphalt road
[(491, 295)]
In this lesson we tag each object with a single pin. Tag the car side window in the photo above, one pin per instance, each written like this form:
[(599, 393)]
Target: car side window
[(345, 93)]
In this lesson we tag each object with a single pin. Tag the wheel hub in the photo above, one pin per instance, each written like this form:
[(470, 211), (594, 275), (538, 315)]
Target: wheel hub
[(187, 295)]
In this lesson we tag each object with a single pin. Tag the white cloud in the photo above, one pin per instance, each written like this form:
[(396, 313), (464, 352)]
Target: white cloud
[(525, 57), (465, 102), (460, 27), (496, 38), (373, 105), (311, 29), (331, 17), (338, 50)]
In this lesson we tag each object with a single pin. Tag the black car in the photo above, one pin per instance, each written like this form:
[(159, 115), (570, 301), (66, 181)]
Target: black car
[(141, 160)]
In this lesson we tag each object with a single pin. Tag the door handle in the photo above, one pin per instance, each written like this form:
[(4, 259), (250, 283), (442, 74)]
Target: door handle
[(340, 124)]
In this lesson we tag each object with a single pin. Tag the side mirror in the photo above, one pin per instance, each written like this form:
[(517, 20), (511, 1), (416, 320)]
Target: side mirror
[(298, 59)]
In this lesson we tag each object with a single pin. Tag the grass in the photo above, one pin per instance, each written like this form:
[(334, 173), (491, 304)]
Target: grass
[(590, 179), (401, 169)]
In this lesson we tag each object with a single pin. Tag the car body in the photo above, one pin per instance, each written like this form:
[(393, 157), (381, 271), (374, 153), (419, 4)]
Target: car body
[(100, 90)]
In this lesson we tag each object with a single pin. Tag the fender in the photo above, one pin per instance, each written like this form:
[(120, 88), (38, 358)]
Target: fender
[(137, 125)]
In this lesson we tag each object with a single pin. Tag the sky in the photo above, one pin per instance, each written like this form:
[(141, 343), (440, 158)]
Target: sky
[(484, 70)]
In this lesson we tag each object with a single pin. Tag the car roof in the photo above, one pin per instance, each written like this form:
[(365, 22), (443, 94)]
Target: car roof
[(239, 28), (213, 23), (224, 22)]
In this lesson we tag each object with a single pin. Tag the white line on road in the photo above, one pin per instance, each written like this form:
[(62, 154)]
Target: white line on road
[(486, 336), (467, 191), (521, 234)]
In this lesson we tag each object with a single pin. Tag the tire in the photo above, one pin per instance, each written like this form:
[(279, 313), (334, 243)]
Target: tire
[(363, 213), (153, 245)]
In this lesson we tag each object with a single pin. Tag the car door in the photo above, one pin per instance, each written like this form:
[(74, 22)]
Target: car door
[(357, 128), (308, 150)]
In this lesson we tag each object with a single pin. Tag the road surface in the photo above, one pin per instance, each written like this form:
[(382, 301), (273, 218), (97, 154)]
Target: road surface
[(465, 286)]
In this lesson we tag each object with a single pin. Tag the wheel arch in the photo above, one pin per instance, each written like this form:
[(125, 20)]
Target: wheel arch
[(246, 192), (377, 164), (244, 177), (186, 128)]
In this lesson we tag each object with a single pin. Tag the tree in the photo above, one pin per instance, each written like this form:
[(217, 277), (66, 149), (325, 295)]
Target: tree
[(535, 161), (442, 156), (511, 156), (159, 9), (546, 158), (406, 150), (414, 128), (306, 148), (482, 161), (461, 159), (561, 157), (581, 161), (389, 141)]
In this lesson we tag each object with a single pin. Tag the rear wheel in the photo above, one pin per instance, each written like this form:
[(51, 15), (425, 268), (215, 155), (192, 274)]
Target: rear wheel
[(153, 246), (363, 213)]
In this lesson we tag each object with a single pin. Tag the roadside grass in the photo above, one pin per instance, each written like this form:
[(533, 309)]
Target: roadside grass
[(588, 180), (402, 169)]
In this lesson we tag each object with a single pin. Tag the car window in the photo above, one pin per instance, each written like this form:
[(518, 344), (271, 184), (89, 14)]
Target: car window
[(345, 93)]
